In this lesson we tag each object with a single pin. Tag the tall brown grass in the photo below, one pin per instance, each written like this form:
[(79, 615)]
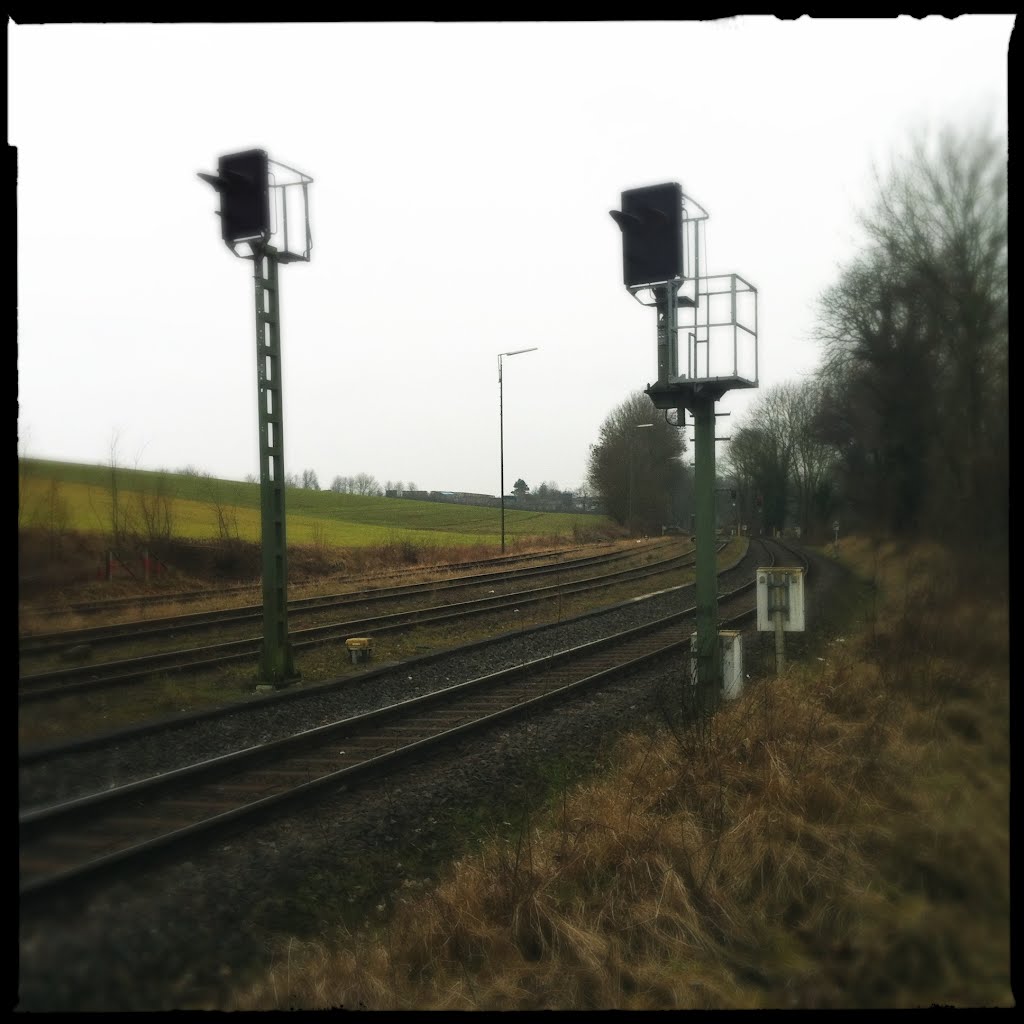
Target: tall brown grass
[(837, 837), (317, 567)]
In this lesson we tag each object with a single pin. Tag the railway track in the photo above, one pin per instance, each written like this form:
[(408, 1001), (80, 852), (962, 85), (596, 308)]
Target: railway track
[(67, 843), (53, 750), (56, 643), (58, 682), (105, 607), (112, 605)]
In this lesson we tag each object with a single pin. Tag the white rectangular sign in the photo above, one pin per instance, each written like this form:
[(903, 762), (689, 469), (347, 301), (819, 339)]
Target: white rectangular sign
[(780, 590)]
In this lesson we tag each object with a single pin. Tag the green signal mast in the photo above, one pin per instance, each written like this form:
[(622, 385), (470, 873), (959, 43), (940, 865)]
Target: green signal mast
[(258, 198), (716, 318)]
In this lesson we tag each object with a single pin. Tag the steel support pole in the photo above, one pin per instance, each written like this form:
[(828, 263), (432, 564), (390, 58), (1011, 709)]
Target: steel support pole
[(277, 668), (501, 445), (707, 654), (779, 592), (629, 482), (668, 333)]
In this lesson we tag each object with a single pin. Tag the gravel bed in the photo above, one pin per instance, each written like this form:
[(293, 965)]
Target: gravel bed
[(186, 934)]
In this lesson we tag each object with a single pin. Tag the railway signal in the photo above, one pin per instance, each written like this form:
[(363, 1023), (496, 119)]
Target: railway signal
[(716, 317), (242, 180), (256, 196), (652, 234)]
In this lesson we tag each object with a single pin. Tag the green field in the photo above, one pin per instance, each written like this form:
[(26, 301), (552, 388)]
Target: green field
[(63, 496)]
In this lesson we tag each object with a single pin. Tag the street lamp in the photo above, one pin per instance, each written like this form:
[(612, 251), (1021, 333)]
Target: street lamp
[(636, 426), (501, 428)]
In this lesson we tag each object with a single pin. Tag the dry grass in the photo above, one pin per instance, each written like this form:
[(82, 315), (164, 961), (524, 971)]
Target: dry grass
[(311, 571), (835, 838)]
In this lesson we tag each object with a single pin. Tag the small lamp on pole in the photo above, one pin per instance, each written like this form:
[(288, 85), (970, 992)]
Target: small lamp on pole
[(501, 429)]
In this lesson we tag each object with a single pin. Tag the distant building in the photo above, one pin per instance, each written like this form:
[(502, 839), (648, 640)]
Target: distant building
[(560, 502)]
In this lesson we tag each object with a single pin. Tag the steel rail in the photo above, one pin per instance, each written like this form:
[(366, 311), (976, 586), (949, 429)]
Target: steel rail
[(502, 567), (54, 643)]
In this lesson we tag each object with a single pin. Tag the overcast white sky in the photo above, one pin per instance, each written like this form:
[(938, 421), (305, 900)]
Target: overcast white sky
[(463, 175)]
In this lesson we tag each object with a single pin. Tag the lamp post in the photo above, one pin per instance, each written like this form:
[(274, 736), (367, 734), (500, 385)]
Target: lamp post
[(501, 429), (636, 426)]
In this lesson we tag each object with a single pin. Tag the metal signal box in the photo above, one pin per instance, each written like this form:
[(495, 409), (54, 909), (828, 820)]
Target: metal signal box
[(732, 662), (730, 643), (244, 195), (651, 220), (780, 591)]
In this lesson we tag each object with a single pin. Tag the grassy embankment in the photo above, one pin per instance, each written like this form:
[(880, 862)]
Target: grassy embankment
[(66, 517), (62, 503), (835, 838)]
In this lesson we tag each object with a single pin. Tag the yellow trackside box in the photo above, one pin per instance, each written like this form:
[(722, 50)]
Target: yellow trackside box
[(359, 648)]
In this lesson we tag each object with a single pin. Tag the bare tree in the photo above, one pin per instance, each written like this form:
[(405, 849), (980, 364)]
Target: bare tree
[(225, 514), (58, 513), (761, 454), (365, 484), (155, 510), (120, 512), (814, 460), (916, 338), (638, 472)]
